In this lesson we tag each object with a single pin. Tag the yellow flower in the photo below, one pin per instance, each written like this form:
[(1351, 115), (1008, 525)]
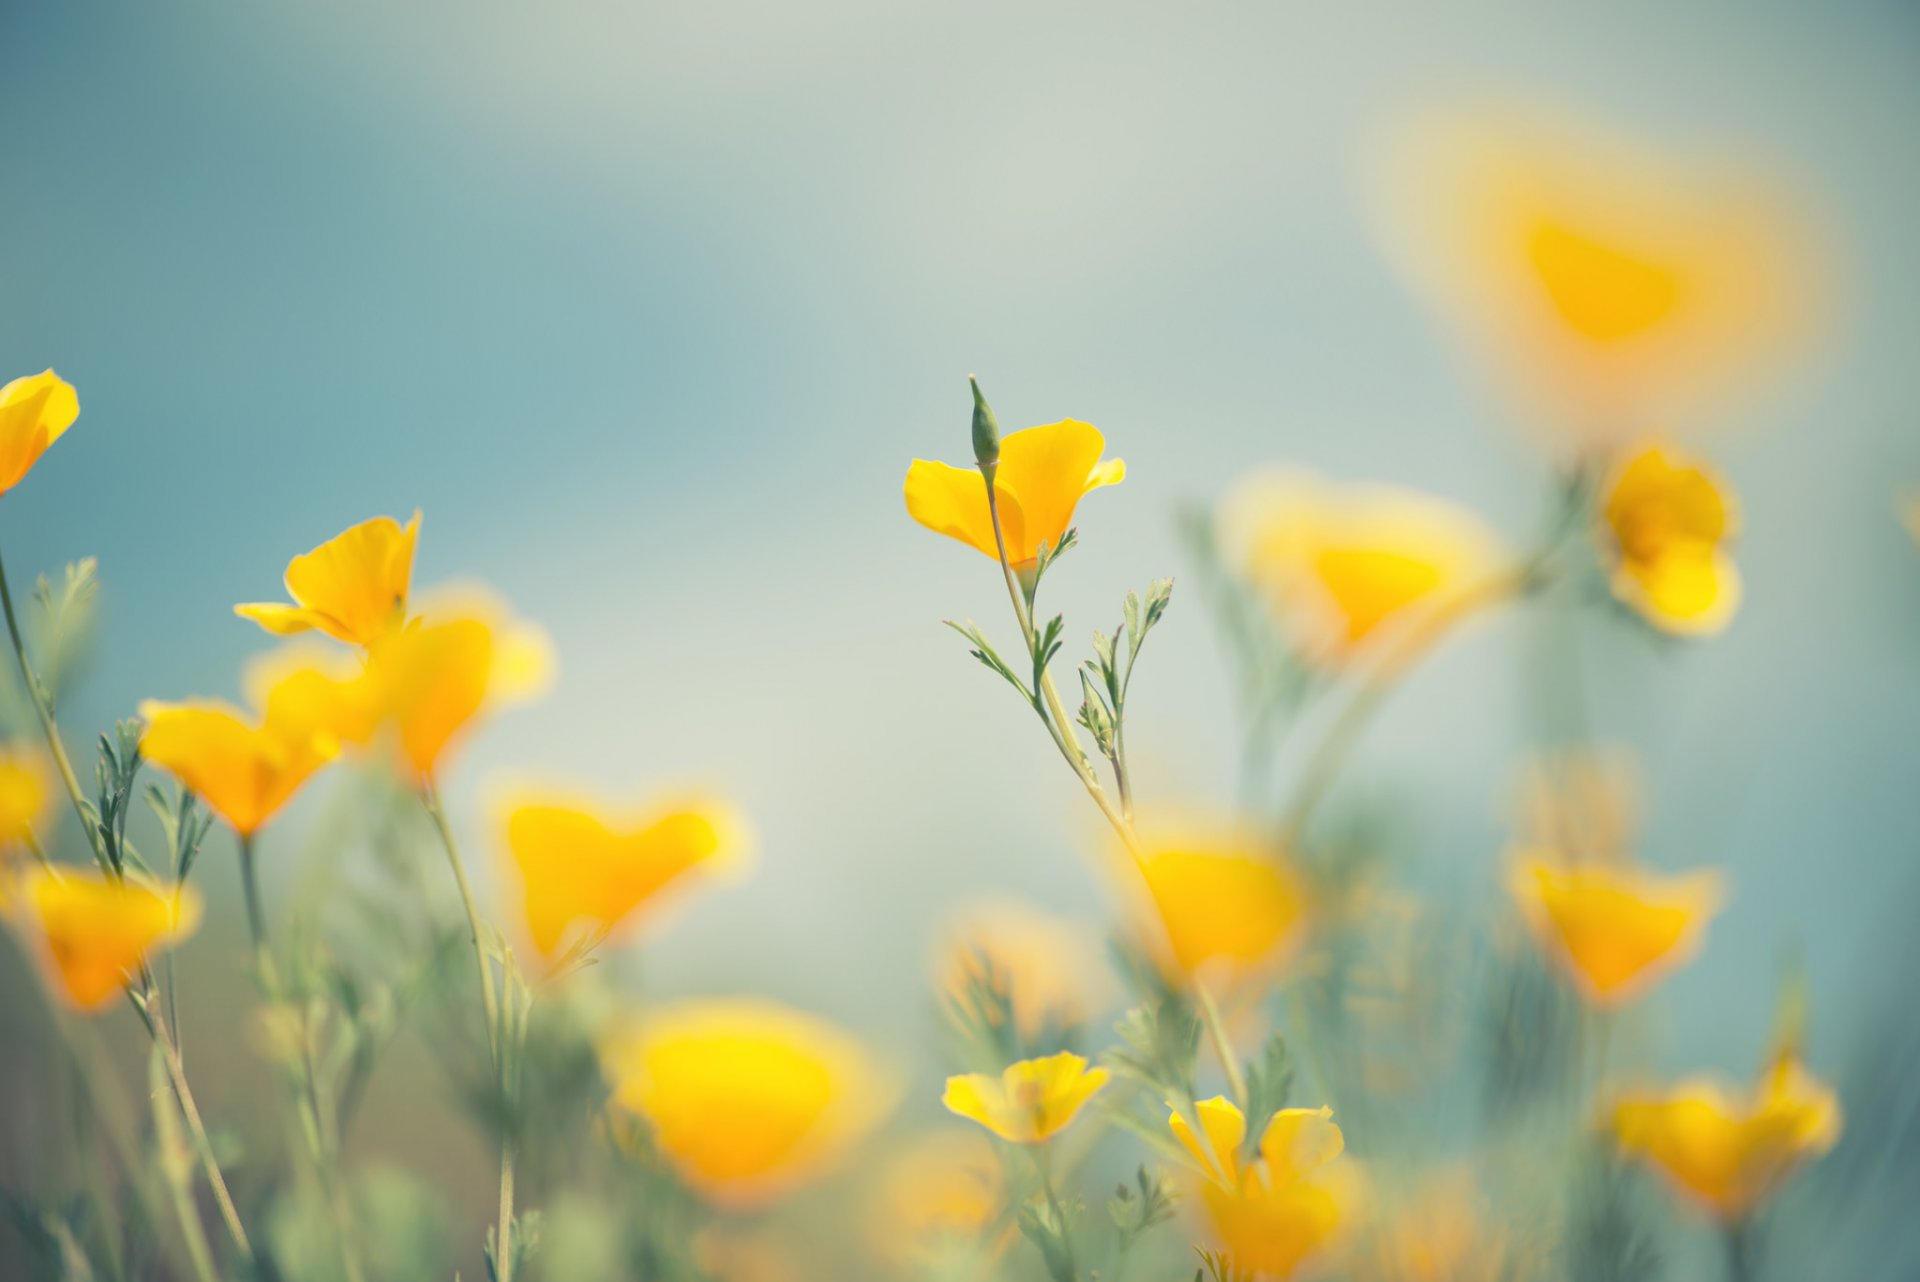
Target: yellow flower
[(1044, 472), (941, 1193), (1441, 1231), (746, 1099), (1030, 1101), (93, 931), (1730, 1150), (353, 587), (1042, 964), (1219, 905), (1344, 566), (1615, 929), (1666, 519), (1288, 1203), (25, 791), (34, 412), (579, 870)]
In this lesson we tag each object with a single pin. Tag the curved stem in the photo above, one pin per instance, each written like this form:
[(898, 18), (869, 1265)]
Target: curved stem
[(196, 1128), (1222, 1044)]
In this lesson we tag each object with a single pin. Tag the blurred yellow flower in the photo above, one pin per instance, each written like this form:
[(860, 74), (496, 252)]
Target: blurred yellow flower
[(1666, 519), (1044, 965), (353, 587), (92, 931), (35, 411), (1728, 1150), (26, 789), (1220, 905), (579, 870), (1030, 1101), (1440, 1231), (1344, 565), (746, 1099), (1288, 1202), (1615, 929), (940, 1193), (1043, 473)]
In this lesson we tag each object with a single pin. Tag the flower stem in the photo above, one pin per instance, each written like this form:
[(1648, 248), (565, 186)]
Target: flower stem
[(176, 1165), (196, 1128), (1739, 1242), (1042, 1162), (1222, 1044)]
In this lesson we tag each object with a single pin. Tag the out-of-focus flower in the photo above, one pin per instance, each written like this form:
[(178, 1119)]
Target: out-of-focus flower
[(1615, 929), (581, 871), (1044, 965), (353, 587), (746, 1099), (1667, 518), (1286, 1204), (1583, 803), (1728, 1150), (1345, 566), (1030, 1101), (245, 771), (939, 1194), (1220, 905), (1043, 473), (92, 931), (34, 412), (1607, 287), (26, 789), (1440, 1231), (730, 1253)]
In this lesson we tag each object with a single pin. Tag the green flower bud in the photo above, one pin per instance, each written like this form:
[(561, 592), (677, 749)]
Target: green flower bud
[(986, 431)]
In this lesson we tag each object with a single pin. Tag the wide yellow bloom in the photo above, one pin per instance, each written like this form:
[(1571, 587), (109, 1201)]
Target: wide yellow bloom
[(1044, 965), (1728, 1150), (940, 1193), (1615, 929), (1030, 1101), (1044, 472), (1667, 518), (92, 931), (1287, 1203), (582, 871), (35, 411), (746, 1099), (353, 587), (26, 790), (1219, 905), (1343, 566)]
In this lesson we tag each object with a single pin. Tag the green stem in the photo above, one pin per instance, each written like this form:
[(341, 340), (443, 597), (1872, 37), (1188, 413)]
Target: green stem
[(176, 1165), (1739, 1242), (1222, 1044), (1044, 1165)]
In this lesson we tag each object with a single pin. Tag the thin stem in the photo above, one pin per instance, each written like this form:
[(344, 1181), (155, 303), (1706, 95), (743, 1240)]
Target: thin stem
[(176, 1164), (1222, 1044), (1043, 1163), (196, 1128), (1739, 1242)]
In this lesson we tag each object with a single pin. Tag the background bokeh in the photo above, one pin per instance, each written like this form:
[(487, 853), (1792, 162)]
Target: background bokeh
[(647, 307)]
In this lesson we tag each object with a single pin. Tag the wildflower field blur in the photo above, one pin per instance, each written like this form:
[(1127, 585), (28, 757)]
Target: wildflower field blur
[(1472, 634)]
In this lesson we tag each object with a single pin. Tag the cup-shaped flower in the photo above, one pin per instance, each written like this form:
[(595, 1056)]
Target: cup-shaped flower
[(746, 1099), (1345, 567), (353, 587), (1042, 475), (1216, 904), (583, 873), (1613, 928), (1725, 1149), (1030, 1101), (26, 790), (1284, 1205), (92, 931), (34, 412), (936, 1196), (1666, 521), (1039, 967)]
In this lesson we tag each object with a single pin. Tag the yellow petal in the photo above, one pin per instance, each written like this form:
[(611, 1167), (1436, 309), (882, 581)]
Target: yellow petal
[(940, 1193), (279, 619), (1226, 1130), (242, 773), (1217, 902), (354, 586), (1048, 470), (952, 501), (26, 790), (35, 411), (1031, 1101), (1615, 930), (1298, 1141), (1272, 1230), (94, 931)]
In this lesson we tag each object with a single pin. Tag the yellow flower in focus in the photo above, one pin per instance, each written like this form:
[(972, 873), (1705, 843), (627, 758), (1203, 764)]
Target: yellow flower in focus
[(1728, 1150), (1220, 906), (1043, 474), (35, 411), (579, 870), (1667, 518), (93, 931), (1287, 1203), (746, 1099), (1344, 566), (1615, 929), (1043, 965), (353, 587), (1030, 1101), (26, 785), (941, 1193)]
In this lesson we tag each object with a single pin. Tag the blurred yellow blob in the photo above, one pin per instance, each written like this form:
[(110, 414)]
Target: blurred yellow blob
[(582, 871), (92, 931), (1220, 905), (1045, 966), (1606, 285), (353, 587), (1285, 1204), (26, 789), (745, 1098), (35, 411), (1666, 519), (1030, 1101), (939, 1194), (1343, 566), (1044, 472), (1441, 1232), (1615, 929), (728, 1253), (1728, 1150)]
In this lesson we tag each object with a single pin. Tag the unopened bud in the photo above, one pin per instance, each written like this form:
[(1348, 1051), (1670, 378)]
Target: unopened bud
[(986, 431)]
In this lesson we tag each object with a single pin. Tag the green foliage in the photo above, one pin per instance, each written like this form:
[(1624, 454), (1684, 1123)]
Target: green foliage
[(1269, 1083)]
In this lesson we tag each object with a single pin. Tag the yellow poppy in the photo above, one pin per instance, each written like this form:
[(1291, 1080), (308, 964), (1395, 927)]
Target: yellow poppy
[(1666, 519), (353, 587), (1615, 929), (1043, 473), (1442, 1230), (25, 791), (35, 411), (1286, 1204), (579, 870), (746, 1099), (93, 931), (940, 1193), (1219, 905), (1728, 1150), (1344, 566), (1044, 965), (1030, 1101)]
